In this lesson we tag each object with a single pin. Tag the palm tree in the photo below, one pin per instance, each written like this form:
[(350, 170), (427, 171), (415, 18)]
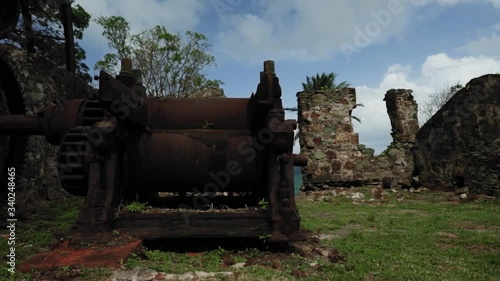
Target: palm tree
[(323, 82)]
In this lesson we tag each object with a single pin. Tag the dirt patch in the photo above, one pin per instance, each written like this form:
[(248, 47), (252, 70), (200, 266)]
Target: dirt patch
[(340, 233), (409, 211), (469, 225), (447, 235), (446, 246), (325, 215), (482, 248)]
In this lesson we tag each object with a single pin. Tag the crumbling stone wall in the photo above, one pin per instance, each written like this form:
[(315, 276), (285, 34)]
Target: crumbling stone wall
[(403, 113), (460, 145), (327, 137), (335, 156), (40, 83)]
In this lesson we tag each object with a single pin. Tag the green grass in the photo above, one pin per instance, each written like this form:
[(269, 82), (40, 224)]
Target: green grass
[(43, 231), (426, 238), (422, 237)]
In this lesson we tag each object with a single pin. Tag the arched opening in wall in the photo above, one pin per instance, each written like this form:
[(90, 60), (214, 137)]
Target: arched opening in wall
[(12, 148)]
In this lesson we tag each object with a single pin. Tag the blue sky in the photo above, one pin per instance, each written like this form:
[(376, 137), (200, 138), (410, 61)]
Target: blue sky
[(424, 45)]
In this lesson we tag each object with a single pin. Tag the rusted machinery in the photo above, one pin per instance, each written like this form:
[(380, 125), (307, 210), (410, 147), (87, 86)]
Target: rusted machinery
[(219, 167)]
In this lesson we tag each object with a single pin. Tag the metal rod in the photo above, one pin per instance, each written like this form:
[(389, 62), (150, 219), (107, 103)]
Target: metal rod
[(21, 125)]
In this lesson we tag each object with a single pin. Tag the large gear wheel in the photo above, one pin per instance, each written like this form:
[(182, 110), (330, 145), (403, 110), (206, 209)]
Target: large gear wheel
[(73, 171), (75, 148)]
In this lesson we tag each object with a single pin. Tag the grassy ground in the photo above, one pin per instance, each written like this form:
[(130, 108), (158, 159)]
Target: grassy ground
[(404, 236)]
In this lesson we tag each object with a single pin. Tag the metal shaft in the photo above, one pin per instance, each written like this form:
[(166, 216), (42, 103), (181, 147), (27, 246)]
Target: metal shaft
[(21, 125)]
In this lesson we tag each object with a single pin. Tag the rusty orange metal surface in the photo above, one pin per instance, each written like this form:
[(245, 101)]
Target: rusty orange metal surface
[(193, 158), (198, 113), (118, 145)]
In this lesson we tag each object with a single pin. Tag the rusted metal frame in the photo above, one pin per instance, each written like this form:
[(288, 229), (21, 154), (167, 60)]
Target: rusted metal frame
[(283, 212), (103, 197), (107, 158), (290, 220), (285, 218), (172, 224)]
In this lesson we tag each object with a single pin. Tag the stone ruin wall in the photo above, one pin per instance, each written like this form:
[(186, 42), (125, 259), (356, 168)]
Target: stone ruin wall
[(459, 147), (327, 138), (40, 83), (336, 157)]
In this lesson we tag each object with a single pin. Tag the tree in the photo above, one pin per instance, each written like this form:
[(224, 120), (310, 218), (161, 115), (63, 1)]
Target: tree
[(171, 65), (438, 99), (45, 34), (323, 82)]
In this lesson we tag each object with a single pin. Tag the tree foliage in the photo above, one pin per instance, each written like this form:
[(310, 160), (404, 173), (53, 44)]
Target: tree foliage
[(172, 65), (323, 82), (438, 99), (47, 34)]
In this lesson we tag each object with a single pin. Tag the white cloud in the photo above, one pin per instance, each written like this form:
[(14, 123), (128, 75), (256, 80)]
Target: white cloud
[(320, 29), (440, 68), (496, 3), (487, 42), (437, 71), (177, 16), (309, 30)]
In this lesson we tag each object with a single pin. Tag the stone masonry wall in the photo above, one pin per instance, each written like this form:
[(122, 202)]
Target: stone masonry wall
[(327, 137), (460, 145), (335, 156), (402, 110), (41, 83)]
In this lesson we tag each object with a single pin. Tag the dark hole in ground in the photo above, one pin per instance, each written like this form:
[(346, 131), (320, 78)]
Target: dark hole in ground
[(196, 245)]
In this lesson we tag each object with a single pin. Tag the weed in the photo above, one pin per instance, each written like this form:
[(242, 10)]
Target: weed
[(136, 207), (65, 268), (264, 237), (263, 204), (94, 273), (132, 262)]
